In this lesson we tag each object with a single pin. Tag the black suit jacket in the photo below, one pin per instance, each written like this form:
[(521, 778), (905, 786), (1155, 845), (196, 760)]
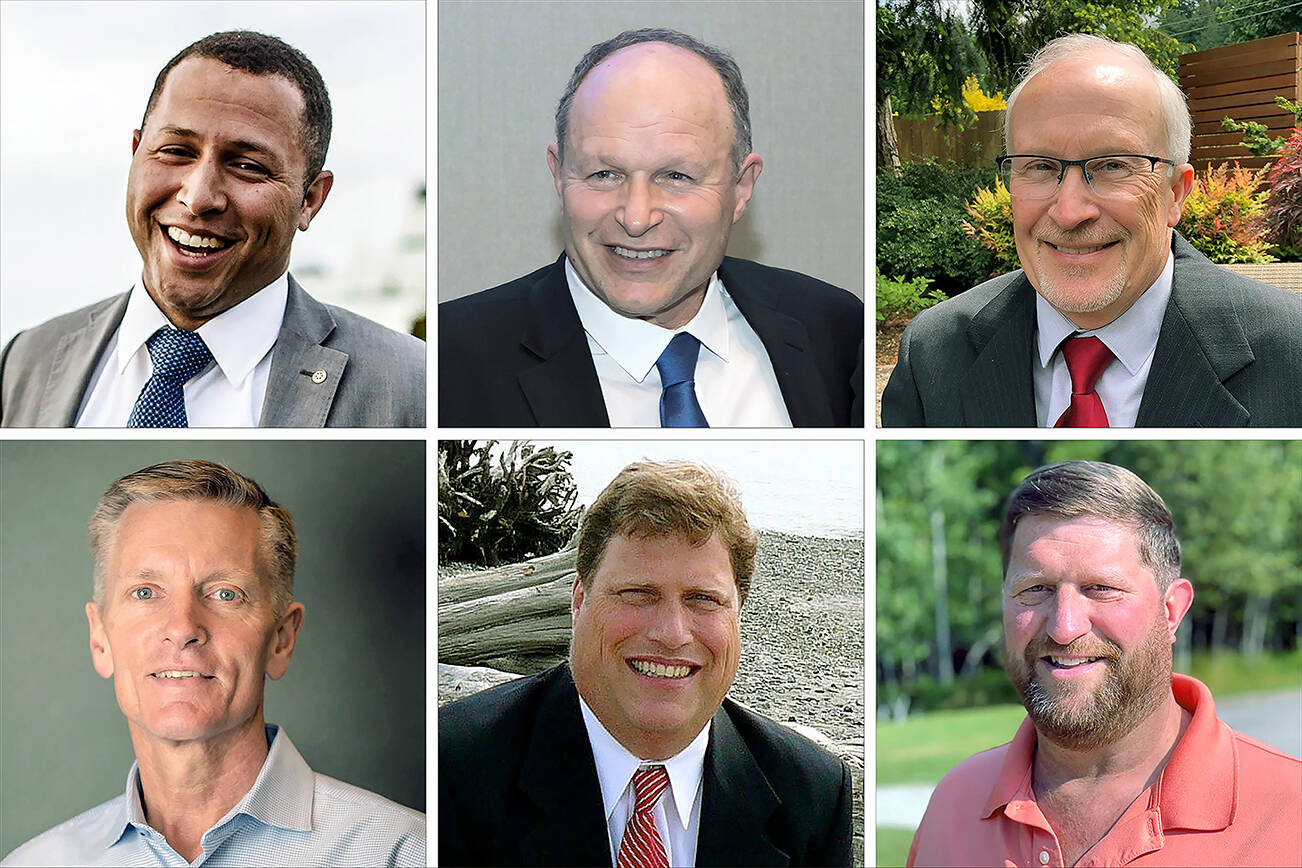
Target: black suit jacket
[(518, 786), (1229, 354), (516, 355)]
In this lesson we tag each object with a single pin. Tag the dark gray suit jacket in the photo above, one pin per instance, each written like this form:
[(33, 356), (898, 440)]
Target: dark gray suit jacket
[(518, 786), (1229, 355), (374, 376)]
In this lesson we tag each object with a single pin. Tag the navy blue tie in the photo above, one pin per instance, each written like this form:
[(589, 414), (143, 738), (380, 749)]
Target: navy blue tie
[(677, 365), (178, 355)]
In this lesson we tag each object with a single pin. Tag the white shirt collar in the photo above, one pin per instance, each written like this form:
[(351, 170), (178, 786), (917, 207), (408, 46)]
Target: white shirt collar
[(615, 766), (238, 338), (1131, 337), (635, 344)]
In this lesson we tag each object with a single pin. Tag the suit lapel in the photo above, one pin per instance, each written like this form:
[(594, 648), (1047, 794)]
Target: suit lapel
[(996, 390), (562, 388), (562, 821), (1201, 344), (304, 375), (73, 362), (787, 343), (736, 803)]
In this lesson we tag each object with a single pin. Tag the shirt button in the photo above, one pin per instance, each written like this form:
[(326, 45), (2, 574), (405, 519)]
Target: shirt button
[(1044, 857)]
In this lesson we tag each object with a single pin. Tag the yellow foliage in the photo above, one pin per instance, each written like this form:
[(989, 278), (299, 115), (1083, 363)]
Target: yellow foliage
[(973, 98)]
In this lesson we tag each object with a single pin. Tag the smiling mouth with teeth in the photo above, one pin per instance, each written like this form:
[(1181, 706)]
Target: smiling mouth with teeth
[(659, 670), (195, 245), (1078, 251), (1065, 663), (639, 254), (180, 673)]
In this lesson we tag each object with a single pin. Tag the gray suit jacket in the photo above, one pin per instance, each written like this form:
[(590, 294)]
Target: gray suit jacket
[(1229, 354), (374, 377)]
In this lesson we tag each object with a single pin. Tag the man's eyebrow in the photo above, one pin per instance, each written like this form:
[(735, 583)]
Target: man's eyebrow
[(237, 144)]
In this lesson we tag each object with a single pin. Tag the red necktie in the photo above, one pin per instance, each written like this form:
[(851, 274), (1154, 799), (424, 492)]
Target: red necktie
[(642, 847), (1086, 359)]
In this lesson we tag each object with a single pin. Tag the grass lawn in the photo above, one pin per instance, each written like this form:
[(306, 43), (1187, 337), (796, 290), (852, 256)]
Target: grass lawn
[(893, 846), (923, 749), (1230, 672)]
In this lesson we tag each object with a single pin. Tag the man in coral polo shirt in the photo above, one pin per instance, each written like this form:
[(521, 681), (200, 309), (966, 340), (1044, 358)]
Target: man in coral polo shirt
[(1119, 762)]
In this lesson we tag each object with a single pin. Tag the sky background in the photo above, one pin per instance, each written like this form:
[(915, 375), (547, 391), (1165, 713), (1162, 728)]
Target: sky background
[(74, 80)]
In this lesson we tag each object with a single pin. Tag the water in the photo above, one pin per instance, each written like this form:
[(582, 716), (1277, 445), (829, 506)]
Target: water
[(802, 487)]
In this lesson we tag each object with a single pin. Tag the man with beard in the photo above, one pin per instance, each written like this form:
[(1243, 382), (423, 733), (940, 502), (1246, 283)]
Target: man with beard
[(1114, 320), (1119, 761)]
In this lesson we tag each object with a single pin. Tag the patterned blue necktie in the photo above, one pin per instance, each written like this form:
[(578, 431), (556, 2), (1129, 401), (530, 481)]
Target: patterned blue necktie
[(677, 365), (178, 355)]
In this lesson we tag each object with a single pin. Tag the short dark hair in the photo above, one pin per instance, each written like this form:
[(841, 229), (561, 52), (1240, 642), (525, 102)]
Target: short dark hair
[(1072, 489), (729, 74), (259, 54), (680, 498)]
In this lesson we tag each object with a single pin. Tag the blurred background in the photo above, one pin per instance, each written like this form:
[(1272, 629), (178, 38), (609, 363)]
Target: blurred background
[(74, 80), (942, 694)]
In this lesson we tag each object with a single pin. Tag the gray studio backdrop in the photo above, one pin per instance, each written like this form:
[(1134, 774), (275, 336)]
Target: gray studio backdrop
[(353, 700), (502, 67)]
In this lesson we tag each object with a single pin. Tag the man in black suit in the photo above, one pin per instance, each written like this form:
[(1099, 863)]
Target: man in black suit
[(1114, 320), (643, 321), (631, 754)]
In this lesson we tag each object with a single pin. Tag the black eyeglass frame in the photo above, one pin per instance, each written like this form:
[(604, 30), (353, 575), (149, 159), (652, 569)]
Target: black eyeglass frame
[(1067, 164)]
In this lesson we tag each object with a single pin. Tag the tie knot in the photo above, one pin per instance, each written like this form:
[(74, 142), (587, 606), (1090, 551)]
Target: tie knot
[(1086, 358), (648, 783), (677, 364), (177, 354)]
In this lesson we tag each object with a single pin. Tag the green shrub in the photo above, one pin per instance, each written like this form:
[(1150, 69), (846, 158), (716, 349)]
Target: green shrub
[(1283, 221), (1224, 215), (920, 225), (897, 297), (504, 507), (992, 215)]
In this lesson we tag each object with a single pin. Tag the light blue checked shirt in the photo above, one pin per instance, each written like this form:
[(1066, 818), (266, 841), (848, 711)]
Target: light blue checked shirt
[(292, 816)]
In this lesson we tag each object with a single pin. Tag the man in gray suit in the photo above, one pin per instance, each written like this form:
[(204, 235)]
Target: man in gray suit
[(226, 166), (1114, 320)]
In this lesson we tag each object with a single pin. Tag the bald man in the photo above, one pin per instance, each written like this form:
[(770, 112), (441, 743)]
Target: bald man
[(643, 321), (1114, 320)]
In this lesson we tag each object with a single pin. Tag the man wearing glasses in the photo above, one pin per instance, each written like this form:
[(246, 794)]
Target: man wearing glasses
[(1114, 320)]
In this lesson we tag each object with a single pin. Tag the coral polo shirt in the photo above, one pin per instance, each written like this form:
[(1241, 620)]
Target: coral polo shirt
[(1223, 799)]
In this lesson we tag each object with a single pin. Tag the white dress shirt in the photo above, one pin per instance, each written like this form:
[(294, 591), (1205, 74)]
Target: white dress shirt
[(735, 383), (1132, 338), (226, 394), (677, 814)]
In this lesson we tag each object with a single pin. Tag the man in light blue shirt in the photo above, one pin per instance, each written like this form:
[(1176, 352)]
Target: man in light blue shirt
[(193, 608)]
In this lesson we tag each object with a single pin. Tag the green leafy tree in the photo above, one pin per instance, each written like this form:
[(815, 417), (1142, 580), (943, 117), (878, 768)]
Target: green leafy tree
[(1253, 19), (1197, 23)]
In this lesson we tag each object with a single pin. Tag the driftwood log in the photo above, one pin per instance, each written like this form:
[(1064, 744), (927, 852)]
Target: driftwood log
[(515, 618)]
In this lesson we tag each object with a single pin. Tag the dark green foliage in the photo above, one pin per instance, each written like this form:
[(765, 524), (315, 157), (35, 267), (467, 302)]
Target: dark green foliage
[(904, 298), (924, 51), (920, 225), (504, 504), (1253, 19)]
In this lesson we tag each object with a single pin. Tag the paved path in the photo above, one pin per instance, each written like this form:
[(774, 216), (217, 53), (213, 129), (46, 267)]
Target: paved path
[(1274, 717)]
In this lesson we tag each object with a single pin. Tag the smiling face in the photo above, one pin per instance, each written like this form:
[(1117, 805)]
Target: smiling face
[(215, 191), (1087, 634), (1091, 257), (656, 640), (187, 631), (648, 189)]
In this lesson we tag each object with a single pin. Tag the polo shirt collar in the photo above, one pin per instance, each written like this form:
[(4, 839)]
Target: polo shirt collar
[(1205, 753), (615, 766), (281, 796), (1132, 337), (238, 338), (635, 344)]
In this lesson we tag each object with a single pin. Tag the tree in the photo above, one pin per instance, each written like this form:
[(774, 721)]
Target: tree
[(1257, 19), (1197, 22)]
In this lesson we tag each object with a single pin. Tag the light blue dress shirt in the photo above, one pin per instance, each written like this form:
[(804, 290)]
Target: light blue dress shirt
[(291, 816)]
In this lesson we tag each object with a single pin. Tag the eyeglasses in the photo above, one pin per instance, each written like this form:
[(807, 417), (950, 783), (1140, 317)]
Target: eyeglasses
[(1119, 176)]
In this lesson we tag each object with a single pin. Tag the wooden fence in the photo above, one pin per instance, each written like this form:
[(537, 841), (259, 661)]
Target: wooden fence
[(1241, 82), (976, 145)]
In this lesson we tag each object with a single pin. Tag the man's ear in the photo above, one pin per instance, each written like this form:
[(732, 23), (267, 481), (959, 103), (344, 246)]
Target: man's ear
[(135, 141), (101, 655), (750, 172), (1176, 603), (576, 597), (315, 198), (283, 639), (554, 163), (1181, 184)]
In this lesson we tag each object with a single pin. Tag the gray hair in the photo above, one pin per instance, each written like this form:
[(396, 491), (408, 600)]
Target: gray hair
[(722, 62), (197, 480), (1072, 489), (1172, 105)]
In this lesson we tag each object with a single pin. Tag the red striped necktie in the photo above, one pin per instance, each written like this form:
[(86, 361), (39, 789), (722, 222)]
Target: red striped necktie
[(1086, 359), (642, 847)]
